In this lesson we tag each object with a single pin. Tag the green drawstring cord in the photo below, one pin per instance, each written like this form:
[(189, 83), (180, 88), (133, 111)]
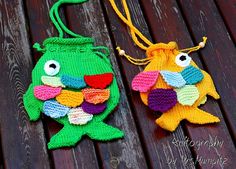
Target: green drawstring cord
[(101, 54), (102, 48), (38, 47), (51, 14), (58, 22), (60, 26)]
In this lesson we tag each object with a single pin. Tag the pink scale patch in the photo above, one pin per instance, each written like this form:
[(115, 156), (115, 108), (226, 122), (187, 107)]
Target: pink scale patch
[(143, 81), (46, 92)]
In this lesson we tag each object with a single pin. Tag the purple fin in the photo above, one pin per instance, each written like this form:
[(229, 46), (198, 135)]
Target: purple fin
[(93, 108), (162, 99)]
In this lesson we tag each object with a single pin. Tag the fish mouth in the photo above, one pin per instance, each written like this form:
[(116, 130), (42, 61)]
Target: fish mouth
[(64, 81)]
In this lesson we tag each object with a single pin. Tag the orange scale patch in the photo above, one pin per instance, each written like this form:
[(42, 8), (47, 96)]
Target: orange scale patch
[(70, 98), (96, 96)]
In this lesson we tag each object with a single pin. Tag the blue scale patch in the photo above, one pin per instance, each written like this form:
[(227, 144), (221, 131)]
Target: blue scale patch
[(173, 79), (192, 75), (55, 110), (73, 82)]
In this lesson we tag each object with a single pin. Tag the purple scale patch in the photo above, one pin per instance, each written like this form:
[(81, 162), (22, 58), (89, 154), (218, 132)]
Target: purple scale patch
[(93, 108), (162, 99)]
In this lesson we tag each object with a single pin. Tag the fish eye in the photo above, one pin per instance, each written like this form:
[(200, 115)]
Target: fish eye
[(51, 67), (182, 59)]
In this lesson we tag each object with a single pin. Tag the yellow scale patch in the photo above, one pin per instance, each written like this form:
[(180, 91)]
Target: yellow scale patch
[(70, 98)]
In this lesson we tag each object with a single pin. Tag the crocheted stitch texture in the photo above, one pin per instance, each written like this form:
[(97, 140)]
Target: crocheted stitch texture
[(93, 108), (43, 92), (162, 99), (144, 81), (173, 79), (96, 95), (99, 81), (189, 96), (77, 58), (70, 98)]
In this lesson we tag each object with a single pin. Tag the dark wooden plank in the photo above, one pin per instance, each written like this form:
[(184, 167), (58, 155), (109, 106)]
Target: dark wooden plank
[(221, 51), (1, 155), (23, 143), (83, 155), (88, 20), (168, 19), (228, 10), (156, 141)]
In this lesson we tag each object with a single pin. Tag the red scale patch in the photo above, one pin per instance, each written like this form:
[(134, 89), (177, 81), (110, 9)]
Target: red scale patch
[(100, 81)]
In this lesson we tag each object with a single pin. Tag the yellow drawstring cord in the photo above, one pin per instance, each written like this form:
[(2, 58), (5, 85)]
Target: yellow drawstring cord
[(192, 49), (134, 31), (129, 23), (133, 35), (133, 60)]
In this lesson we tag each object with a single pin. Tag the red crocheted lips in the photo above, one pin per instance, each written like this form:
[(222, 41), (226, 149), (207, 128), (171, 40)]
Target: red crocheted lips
[(100, 81)]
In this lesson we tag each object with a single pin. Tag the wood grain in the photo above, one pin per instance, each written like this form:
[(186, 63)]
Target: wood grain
[(228, 11), (168, 18), (83, 155), (156, 141), (23, 143), (145, 144), (221, 51), (88, 20), (1, 155)]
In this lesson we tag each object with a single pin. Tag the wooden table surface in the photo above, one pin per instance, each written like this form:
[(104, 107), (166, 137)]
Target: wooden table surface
[(23, 143)]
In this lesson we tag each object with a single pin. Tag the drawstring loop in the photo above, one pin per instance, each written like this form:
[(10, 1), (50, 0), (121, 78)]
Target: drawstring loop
[(134, 61), (128, 21), (38, 47), (97, 48), (103, 55), (192, 49), (135, 32), (54, 15)]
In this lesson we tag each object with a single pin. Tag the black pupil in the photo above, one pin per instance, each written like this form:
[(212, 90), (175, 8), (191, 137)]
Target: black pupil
[(182, 58), (53, 66)]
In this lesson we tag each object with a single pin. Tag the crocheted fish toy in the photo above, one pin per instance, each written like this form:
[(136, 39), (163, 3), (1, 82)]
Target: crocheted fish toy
[(174, 85), (171, 82), (74, 84)]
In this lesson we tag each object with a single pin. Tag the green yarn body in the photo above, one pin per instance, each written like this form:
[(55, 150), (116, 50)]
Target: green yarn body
[(77, 57)]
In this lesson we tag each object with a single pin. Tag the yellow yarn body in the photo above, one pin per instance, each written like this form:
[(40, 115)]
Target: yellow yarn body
[(164, 59), (160, 57)]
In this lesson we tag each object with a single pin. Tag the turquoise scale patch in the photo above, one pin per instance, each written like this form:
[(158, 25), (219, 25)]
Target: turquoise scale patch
[(73, 82), (55, 110), (173, 79), (192, 75)]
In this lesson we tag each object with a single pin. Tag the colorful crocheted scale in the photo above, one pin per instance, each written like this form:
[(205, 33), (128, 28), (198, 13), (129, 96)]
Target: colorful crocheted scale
[(159, 99), (74, 84), (173, 84), (82, 104), (77, 89)]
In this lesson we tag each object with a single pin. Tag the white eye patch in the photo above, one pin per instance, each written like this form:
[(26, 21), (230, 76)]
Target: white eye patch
[(51, 67), (183, 59)]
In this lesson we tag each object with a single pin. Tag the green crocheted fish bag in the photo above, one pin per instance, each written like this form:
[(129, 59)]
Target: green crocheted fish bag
[(73, 83)]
